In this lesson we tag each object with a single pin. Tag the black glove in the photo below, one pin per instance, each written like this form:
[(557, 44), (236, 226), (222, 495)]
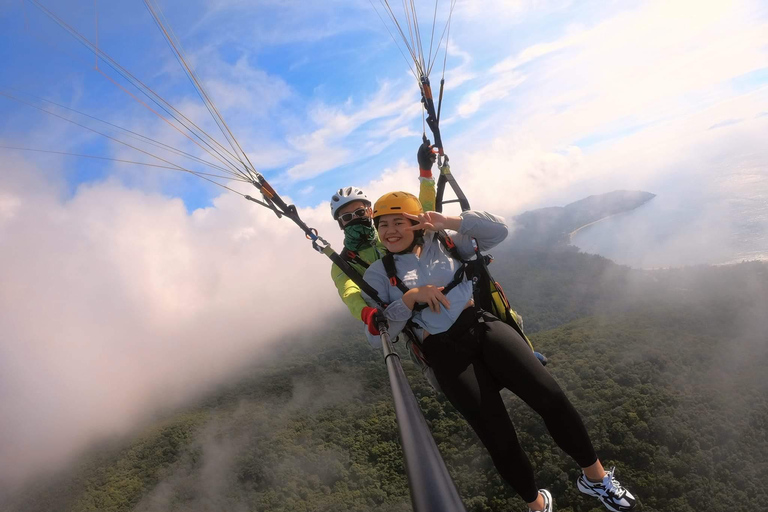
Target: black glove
[(426, 156)]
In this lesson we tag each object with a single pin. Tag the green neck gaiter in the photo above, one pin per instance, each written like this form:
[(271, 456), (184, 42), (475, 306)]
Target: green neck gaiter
[(359, 235)]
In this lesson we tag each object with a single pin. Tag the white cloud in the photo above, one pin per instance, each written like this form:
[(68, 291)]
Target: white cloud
[(535, 52), (637, 90), (664, 60), (252, 102), (332, 144), (9, 206), (499, 88), (458, 75), (117, 302), (243, 88), (516, 171), (506, 10)]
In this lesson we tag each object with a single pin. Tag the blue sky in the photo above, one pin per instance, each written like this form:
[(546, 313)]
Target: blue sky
[(319, 96)]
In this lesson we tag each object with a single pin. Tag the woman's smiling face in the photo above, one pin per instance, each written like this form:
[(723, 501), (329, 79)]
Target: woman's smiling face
[(395, 232)]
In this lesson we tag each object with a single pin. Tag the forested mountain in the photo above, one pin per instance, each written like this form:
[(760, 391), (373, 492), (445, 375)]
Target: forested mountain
[(667, 368)]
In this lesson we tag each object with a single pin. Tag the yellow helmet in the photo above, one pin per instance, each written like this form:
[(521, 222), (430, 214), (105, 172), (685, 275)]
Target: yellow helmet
[(397, 202)]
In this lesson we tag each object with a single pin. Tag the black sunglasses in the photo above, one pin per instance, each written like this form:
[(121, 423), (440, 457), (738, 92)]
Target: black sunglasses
[(360, 212)]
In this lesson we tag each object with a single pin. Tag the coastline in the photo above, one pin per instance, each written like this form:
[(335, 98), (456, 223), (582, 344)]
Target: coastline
[(753, 256), (723, 264), (572, 233), (763, 258)]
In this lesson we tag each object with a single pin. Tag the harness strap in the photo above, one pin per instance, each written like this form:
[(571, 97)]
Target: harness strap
[(475, 270), (458, 277), (353, 275), (447, 177), (389, 266), (449, 245), (351, 256)]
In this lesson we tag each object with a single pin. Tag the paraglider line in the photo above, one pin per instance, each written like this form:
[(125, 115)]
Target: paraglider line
[(394, 40), (96, 157), (178, 50), (146, 90)]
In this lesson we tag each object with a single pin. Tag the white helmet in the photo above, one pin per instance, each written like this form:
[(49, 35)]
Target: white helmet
[(344, 196)]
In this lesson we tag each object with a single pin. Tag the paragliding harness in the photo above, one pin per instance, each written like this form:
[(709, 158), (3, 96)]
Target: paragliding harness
[(412, 343), (486, 292)]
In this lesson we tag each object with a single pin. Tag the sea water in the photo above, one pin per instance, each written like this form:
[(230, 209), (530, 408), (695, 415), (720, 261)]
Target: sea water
[(696, 218)]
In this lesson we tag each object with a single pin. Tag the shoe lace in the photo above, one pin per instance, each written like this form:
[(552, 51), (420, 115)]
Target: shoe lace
[(613, 486)]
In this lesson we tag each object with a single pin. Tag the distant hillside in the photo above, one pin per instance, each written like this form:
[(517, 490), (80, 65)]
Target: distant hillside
[(548, 228)]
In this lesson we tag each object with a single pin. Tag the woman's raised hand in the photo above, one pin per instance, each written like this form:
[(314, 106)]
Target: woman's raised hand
[(431, 221), (430, 295)]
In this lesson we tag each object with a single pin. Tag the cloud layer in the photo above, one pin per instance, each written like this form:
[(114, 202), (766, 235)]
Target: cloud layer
[(116, 302)]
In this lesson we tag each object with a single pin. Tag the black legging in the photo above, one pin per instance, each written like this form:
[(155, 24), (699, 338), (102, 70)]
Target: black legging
[(472, 361)]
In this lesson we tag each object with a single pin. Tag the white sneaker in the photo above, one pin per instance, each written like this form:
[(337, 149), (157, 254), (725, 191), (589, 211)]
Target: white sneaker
[(547, 501), (609, 491)]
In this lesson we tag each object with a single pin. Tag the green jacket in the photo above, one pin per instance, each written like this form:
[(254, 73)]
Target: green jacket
[(348, 291)]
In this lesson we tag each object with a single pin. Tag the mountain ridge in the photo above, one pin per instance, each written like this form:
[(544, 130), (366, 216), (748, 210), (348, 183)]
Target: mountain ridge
[(550, 227)]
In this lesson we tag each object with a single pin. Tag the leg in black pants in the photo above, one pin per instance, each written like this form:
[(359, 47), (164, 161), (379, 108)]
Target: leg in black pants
[(477, 356)]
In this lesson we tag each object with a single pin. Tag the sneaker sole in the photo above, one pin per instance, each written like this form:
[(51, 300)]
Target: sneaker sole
[(610, 507)]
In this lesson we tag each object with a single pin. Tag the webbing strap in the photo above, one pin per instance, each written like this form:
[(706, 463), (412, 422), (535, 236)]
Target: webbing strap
[(352, 256), (447, 177), (447, 243), (354, 276), (458, 277), (389, 266)]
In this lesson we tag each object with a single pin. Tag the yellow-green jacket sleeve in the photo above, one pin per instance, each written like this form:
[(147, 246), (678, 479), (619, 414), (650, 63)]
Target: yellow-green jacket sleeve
[(427, 194), (348, 291)]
